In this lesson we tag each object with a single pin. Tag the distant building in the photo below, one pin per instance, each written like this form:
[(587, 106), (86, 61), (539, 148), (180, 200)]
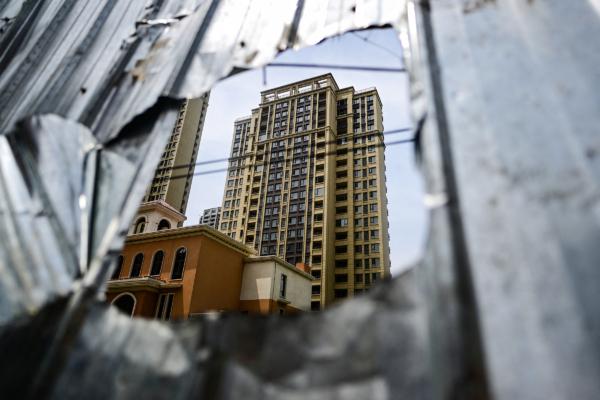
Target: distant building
[(306, 182), (183, 272), (210, 217), (181, 151), (165, 201)]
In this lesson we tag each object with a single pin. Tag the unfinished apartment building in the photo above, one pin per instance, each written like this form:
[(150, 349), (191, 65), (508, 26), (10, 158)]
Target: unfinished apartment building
[(306, 182)]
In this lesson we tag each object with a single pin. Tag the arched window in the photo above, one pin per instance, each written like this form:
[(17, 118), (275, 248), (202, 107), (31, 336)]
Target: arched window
[(164, 224), (117, 271), (136, 266), (140, 225), (179, 263), (157, 261), (125, 302)]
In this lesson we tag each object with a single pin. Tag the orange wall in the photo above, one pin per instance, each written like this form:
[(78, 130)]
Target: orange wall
[(218, 278), (145, 302), (212, 275)]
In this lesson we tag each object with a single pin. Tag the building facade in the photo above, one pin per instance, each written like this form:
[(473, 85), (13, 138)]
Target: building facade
[(172, 185), (306, 182), (184, 272), (211, 217)]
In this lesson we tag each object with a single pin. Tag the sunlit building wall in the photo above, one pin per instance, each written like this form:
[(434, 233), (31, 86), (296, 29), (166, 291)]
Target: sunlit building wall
[(306, 182)]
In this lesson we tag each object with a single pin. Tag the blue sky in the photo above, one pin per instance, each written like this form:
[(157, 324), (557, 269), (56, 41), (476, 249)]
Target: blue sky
[(236, 96)]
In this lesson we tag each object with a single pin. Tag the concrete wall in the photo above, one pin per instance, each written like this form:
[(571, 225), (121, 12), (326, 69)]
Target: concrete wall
[(261, 281)]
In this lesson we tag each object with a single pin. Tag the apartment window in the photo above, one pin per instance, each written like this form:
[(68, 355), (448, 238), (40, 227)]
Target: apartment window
[(375, 262), (357, 263), (117, 271), (375, 248), (316, 289), (358, 278), (157, 262), (373, 207), (282, 286), (315, 306), (374, 234), (341, 222), (316, 273), (136, 266), (340, 293), (315, 261), (179, 263), (358, 249), (341, 235), (341, 249), (374, 220), (164, 306), (140, 225), (319, 191), (341, 278), (341, 210), (341, 263)]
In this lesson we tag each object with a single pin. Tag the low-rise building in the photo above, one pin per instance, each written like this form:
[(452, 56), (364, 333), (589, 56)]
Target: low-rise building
[(183, 272)]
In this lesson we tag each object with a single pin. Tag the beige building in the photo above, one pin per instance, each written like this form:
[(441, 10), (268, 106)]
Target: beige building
[(306, 182), (180, 152)]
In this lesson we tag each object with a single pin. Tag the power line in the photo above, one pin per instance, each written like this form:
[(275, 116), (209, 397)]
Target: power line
[(269, 162), (219, 160), (334, 66), (375, 44)]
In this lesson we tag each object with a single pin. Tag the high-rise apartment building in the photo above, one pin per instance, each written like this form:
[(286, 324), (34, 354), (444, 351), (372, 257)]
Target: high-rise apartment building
[(210, 217), (306, 182), (180, 151)]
